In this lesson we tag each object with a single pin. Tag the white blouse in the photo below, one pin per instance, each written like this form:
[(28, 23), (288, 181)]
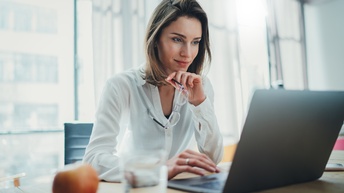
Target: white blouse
[(124, 105)]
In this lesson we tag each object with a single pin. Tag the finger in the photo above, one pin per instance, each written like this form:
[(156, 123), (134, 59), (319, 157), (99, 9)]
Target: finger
[(198, 160), (193, 170), (200, 164), (198, 155), (183, 79), (178, 84), (191, 79), (172, 80), (169, 77), (183, 161), (185, 168), (178, 75)]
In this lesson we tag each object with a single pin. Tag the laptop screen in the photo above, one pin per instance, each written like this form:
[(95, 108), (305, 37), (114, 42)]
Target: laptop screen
[(287, 138)]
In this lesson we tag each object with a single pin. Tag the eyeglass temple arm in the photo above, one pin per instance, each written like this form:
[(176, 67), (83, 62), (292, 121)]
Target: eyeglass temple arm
[(180, 84), (155, 119), (158, 122)]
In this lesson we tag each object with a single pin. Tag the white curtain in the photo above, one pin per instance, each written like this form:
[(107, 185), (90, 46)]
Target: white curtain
[(225, 67), (238, 35), (118, 32), (287, 43)]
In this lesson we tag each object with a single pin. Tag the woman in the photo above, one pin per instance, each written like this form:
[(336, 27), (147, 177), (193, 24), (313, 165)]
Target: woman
[(149, 100)]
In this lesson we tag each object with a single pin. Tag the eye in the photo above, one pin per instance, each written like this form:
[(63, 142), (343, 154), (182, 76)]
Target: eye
[(196, 42), (177, 39)]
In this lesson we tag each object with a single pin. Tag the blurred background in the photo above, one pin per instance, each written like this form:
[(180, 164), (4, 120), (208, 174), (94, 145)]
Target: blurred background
[(55, 57)]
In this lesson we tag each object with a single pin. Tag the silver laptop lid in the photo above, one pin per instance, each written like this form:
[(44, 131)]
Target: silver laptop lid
[(287, 138)]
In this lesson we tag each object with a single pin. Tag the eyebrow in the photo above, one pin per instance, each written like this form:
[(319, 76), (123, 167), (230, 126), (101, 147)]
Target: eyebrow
[(184, 37)]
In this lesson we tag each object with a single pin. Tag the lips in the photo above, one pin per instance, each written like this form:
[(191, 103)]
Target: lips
[(183, 63)]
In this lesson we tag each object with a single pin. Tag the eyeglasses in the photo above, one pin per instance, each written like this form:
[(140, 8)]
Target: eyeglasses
[(181, 99)]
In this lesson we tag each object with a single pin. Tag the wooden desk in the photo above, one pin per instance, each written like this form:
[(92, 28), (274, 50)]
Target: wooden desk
[(330, 182)]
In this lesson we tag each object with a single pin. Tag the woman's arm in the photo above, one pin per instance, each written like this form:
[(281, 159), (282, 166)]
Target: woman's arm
[(208, 136), (101, 151), (201, 99)]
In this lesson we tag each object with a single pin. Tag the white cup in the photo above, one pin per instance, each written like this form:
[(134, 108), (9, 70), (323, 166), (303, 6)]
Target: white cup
[(144, 171)]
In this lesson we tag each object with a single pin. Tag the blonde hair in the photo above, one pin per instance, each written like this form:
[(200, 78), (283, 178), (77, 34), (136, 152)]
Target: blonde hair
[(164, 14)]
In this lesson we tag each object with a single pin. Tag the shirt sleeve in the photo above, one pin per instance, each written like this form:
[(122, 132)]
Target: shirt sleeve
[(101, 151), (207, 133)]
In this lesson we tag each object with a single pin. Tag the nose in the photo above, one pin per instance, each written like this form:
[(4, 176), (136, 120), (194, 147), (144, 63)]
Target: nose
[(185, 50)]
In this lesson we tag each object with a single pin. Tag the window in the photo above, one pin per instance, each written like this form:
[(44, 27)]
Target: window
[(23, 15), (46, 21), (4, 15), (36, 85)]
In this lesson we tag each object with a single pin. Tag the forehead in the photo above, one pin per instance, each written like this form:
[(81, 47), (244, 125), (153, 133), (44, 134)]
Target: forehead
[(190, 27)]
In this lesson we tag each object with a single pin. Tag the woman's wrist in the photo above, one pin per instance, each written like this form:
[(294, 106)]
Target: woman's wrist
[(198, 101)]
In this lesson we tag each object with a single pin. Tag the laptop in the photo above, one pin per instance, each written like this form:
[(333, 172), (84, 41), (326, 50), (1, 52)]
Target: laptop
[(287, 138)]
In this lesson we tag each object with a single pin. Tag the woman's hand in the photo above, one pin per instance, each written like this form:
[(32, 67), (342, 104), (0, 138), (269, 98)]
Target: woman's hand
[(192, 162), (193, 84)]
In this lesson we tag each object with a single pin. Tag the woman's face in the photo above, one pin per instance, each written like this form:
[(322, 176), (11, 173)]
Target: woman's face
[(179, 43)]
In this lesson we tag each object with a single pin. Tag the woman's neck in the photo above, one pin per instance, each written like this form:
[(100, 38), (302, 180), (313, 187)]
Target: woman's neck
[(166, 98)]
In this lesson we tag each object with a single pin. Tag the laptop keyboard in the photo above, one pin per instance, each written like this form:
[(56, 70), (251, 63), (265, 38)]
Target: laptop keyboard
[(214, 185)]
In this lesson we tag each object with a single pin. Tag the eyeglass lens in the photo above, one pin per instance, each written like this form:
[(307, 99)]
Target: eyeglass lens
[(173, 119), (175, 115), (182, 98)]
